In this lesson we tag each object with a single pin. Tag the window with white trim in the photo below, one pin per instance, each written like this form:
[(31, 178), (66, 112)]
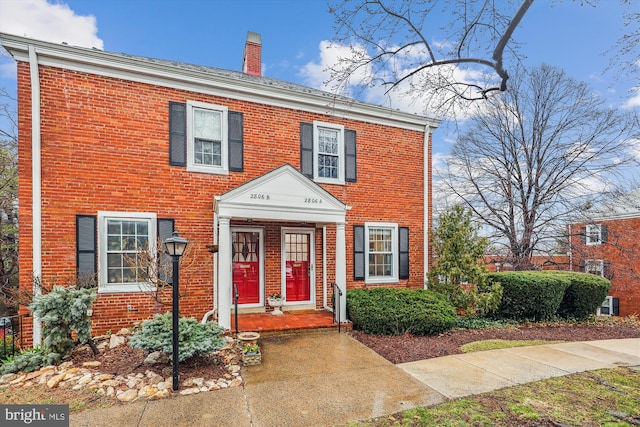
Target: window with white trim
[(207, 138), (122, 237), (594, 266), (381, 253), (328, 146), (593, 234), (606, 309)]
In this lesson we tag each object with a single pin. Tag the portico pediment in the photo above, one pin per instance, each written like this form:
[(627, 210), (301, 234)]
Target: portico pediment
[(283, 194)]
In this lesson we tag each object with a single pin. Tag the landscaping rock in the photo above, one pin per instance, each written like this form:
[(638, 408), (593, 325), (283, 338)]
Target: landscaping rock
[(157, 357), (116, 340), (128, 396)]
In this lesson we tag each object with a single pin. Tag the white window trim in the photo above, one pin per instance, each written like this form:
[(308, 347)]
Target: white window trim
[(608, 299), (103, 286), (598, 263), (593, 228), (394, 278), (223, 169), (341, 153)]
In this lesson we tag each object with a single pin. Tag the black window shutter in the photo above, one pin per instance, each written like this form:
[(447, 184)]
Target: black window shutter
[(86, 261), (165, 266), (358, 252), (236, 141), (350, 174), (177, 133), (306, 149), (604, 234), (615, 310), (404, 251), (583, 235), (606, 270)]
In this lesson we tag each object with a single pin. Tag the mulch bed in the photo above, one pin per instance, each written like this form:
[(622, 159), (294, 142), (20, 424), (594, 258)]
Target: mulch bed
[(409, 348)]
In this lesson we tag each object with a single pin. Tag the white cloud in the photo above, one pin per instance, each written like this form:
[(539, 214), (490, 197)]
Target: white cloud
[(55, 23), (414, 95), (634, 101), (635, 149), (8, 69)]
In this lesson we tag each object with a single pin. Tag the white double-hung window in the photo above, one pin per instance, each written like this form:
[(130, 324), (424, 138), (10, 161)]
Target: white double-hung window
[(381, 257), (594, 234), (594, 266), (207, 140), (123, 238), (328, 141)]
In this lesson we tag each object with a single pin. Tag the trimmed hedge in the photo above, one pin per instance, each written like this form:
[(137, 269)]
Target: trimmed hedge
[(530, 295), (583, 296), (392, 311)]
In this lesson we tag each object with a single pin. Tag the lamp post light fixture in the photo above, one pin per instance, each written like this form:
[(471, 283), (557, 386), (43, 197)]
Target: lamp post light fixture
[(175, 246)]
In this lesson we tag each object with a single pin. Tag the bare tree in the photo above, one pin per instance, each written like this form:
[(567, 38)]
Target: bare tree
[(625, 55), (393, 42), (538, 154), (154, 268), (8, 199)]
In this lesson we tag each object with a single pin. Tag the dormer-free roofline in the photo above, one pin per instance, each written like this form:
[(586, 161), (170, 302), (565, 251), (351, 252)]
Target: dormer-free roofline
[(209, 80)]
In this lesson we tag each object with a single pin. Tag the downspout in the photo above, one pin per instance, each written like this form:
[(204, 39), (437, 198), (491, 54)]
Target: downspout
[(36, 186), (213, 312), (427, 200)]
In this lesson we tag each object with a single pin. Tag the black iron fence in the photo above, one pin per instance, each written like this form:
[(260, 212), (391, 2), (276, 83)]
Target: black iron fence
[(10, 335), (337, 293)]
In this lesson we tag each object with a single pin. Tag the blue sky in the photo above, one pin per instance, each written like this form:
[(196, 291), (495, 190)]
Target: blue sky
[(295, 34)]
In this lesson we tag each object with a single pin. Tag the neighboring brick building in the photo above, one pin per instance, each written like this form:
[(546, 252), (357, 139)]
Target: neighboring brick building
[(609, 245), (296, 187)]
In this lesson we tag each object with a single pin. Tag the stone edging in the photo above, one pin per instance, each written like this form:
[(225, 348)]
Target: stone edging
[(150, 385)]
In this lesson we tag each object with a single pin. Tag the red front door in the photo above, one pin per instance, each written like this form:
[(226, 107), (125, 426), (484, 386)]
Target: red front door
[(298, 266), (246, 266)]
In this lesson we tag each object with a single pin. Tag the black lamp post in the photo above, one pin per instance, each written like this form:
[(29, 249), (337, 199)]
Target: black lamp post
[(175, 246)]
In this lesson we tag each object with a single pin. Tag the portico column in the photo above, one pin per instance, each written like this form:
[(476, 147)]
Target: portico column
[(341, 267), (224, 274)]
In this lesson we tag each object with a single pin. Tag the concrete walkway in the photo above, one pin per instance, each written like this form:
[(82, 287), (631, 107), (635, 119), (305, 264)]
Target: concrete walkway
[(329, 378)]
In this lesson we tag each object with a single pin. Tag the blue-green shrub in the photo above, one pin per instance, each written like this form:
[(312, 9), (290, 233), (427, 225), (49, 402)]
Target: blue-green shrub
[(63, 311), (530, 295), (193, 339), (29, 361), (389, 311), (583, 296)]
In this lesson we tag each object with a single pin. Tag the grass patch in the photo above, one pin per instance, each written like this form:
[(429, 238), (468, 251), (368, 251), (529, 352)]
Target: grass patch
[(603, 397), (498, 343), (42, 395)]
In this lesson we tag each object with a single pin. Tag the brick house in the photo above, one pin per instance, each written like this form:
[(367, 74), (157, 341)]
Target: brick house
[(295, 188), (608, 244)]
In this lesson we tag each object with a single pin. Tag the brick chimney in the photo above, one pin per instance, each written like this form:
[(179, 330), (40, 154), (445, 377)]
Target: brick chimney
[(252, 61)]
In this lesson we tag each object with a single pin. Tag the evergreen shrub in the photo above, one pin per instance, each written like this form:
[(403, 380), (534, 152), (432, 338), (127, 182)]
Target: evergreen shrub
[(29, 361), (63, 311), (389, 311), (530, 295), (584, 295), (193, 338)]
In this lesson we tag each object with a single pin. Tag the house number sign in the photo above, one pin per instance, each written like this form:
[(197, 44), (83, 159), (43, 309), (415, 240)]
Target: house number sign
[(259, 196), (313, 200)]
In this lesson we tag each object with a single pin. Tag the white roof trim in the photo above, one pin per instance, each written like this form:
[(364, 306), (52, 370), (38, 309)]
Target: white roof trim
[(167, 74), (283, 194)]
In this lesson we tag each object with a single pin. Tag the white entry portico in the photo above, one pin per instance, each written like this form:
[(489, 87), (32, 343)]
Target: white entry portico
[(285, 196)]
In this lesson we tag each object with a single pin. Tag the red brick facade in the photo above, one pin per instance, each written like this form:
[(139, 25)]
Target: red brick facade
[(618, 251), (105, 147)]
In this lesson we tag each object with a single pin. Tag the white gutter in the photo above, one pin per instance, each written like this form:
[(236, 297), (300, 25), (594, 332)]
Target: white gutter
[(219, 83), (36, 184), (427, 205)]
